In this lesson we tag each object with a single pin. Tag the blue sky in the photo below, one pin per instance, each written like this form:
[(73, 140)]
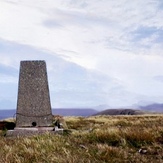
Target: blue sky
[(97, 52)]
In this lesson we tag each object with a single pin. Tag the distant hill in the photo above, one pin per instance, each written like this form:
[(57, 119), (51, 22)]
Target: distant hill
[(153, 108), (74, 111), (120, 112), (57, 111), (7, 113)]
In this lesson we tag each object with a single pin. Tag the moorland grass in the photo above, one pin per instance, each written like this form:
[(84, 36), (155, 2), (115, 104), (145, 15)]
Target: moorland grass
[(96, 139)]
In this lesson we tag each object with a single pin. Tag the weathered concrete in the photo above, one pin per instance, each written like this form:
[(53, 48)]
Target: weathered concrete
[(33, 105), (18, 132)]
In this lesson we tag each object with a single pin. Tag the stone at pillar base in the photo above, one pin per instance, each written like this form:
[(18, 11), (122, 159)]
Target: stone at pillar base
[(18, 132)]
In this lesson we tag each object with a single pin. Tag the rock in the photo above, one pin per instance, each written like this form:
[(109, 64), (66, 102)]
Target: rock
[(143, 150)]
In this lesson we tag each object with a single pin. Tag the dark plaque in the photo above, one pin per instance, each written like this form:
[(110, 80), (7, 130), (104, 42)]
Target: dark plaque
[(33, 105)]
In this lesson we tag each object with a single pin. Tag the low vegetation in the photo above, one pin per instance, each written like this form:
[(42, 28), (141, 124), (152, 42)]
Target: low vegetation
[(96, 139)]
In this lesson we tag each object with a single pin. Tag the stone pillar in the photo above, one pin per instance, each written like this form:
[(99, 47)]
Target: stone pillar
[(33, 105)]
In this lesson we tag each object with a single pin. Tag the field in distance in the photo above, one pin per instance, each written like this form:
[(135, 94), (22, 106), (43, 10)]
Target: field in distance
[(136, 138)]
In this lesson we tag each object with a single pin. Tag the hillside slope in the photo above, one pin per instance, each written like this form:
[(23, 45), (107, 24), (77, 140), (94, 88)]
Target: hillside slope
[(120, 112)]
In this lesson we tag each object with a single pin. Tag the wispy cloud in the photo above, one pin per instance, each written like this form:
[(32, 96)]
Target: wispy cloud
[(70, 84)]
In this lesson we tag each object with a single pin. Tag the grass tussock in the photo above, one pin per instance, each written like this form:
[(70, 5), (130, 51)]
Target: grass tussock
[(92, 140)]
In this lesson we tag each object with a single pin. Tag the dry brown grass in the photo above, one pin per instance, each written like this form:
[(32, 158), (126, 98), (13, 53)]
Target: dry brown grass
[(99, 139)]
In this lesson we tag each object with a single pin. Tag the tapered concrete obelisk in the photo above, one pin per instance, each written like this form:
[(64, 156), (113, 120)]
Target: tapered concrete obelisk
[(33, 105)]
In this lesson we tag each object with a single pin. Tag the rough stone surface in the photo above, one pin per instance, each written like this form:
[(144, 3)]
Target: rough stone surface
[(33, 105)]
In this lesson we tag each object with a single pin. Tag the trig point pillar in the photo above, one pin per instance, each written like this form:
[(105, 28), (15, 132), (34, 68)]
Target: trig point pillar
[(33, 105)]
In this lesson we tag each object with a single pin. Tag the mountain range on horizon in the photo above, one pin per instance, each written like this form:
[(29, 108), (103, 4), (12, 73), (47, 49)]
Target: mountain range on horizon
[(155, 108)]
